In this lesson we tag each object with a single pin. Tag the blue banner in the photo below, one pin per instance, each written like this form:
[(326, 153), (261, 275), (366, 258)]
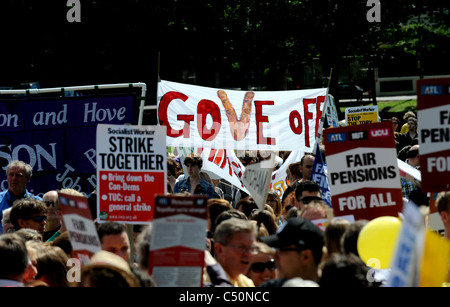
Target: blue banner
[(319, 176), (57, 137)]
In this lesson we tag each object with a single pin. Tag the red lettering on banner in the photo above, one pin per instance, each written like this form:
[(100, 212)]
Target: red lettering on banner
[(204, 108), (307, 117), (292, 116), (320, 99), (260, 119), (162, 114)]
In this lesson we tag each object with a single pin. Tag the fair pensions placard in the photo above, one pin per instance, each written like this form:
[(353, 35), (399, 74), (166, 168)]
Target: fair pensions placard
[(433, 114), (362, 171)]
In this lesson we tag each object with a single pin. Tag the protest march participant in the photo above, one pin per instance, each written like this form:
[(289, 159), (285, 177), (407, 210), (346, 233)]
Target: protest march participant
[(6, 221), (106, 269), (345, 270), (305, 167), (274, 201), (443, 206), (12, 270), (29, 213), (194, 183), (54, 221), (299, 245), (411, 136), (306, 191), (53, 200), (262, 265), (18, 175), (234, 247), (114, 239)]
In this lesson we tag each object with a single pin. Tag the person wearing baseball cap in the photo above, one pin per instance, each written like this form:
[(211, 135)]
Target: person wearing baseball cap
[(299, 244)]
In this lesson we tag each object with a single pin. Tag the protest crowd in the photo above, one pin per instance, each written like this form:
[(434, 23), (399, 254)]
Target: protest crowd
[(245, 246)]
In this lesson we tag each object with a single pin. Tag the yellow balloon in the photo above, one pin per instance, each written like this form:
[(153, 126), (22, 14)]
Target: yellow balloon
[(376, 241)]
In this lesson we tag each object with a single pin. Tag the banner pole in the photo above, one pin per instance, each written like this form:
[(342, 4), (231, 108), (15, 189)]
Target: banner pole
[(322, 118)]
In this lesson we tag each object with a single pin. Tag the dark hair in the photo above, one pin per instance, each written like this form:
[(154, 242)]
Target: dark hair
[(228, 215), (215, 207), (443, 201), (306, 185), (195, 159), (14, 255), (109, 228), (350, 237), (24, 208), (171, 167), (247, 205)]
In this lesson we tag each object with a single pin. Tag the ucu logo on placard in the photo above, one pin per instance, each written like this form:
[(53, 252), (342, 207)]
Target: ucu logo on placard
[(376, 133)]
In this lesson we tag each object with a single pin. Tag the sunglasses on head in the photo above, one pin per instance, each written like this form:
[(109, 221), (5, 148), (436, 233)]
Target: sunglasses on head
[(39, 218), (307, 199), (259, 267)]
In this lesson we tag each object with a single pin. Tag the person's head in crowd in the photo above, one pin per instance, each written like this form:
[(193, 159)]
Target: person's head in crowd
[(265, 218), (215, 207), (289, 202), (292, 212), (306, 164), (246, 205), (114, 238), (63, 242), (314, 210), (413, 156), (29, 234), (274, 201), (233, 213), (403, 153), (51, 265), (6, 221), (443, 206), (31, 273), (306, 191), (54, 214), (143, 247), (29, 213), (407, 115), (333, 234), (345, 270), (395, 124), (262, 265), (15, 260), (412, 124), (108, 270), (18, 174), (299, 245), (350, 237), (293, 172), (195, 163), (234, 247)]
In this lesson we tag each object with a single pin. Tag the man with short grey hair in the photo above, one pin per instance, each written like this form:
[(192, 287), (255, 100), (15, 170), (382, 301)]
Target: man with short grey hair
[(18, 175)]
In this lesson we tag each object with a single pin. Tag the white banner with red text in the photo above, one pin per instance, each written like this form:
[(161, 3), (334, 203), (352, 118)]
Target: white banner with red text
[(198, 116)]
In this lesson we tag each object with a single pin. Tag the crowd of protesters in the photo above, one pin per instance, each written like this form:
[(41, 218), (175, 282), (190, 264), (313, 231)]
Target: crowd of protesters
[(245, 246)]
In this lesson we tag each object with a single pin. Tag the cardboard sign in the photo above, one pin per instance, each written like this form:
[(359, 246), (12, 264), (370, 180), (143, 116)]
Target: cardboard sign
[(177, 244), (361, 115), (433, 114), (80, 226), (362, 171), (131, 169), (257, 179)]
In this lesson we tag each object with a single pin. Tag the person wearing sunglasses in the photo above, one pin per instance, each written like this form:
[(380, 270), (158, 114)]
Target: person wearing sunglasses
[(298, 245), (263, 266), (53, 216), (307, 191), (29, 213)]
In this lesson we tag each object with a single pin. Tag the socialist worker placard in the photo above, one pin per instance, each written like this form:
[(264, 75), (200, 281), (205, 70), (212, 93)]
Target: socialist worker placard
[(131, 170)]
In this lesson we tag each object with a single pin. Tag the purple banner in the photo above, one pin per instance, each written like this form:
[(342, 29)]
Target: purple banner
[(58, 138)]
